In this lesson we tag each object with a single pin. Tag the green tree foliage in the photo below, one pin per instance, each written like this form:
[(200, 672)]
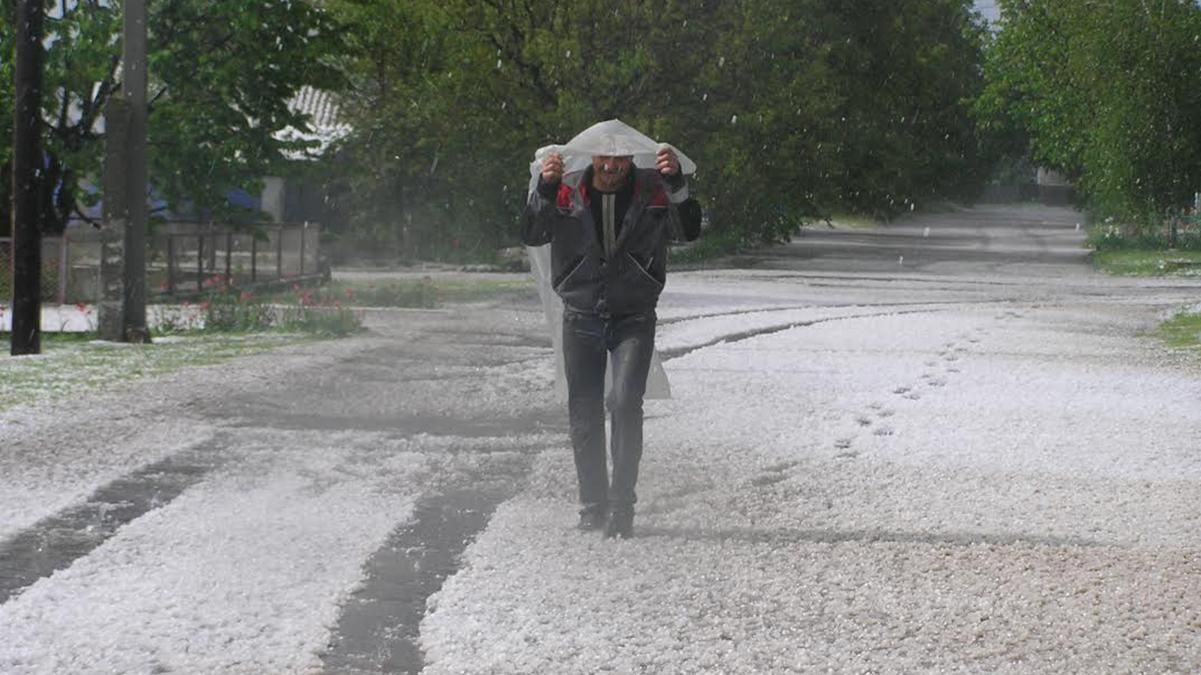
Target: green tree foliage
[(1109, 93), (764, 108), (221, 75), (451, 98), (792, 108), (907, 70)]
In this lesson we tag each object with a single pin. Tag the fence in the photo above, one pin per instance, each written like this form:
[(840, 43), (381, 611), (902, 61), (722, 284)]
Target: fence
[(54, 270), (193, 262), (182, 260)]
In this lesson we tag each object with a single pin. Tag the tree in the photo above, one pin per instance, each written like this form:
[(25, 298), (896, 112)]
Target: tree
[(907, 71), (451, 99), (1109, 93), (771, 97), (395, 60), (221, 75)]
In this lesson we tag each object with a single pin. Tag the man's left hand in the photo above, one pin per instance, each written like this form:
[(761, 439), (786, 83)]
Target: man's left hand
[(667, 162)]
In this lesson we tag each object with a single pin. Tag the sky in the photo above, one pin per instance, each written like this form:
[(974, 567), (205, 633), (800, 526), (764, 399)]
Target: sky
[(989, 9)]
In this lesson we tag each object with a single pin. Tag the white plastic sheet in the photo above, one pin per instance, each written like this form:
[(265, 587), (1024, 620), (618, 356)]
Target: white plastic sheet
[(613, 138)]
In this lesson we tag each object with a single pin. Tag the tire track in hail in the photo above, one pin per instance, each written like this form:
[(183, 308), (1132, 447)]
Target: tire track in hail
[(731, 338), (792, 308)]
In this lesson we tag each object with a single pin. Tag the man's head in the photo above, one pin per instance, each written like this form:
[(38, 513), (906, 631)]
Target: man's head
[(609, 172)]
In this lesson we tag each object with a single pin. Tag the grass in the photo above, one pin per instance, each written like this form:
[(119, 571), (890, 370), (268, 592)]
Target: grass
[(479, 290), (1182, 330), (1148, 263), (710, 246), (851, 221), (223, 327), (428, 292), (73, 364)]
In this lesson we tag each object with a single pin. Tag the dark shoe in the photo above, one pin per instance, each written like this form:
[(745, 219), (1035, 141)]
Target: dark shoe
[(620, 525), (591, 520)]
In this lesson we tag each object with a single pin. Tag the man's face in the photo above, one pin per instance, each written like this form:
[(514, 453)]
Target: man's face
[(609, 172)]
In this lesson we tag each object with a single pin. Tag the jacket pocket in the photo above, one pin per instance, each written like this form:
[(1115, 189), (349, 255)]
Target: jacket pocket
[(643, 272), (572, 271)]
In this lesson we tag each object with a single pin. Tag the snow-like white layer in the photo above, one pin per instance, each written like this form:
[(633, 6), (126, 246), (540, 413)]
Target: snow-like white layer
[(975, 483), (985, 490), (82, 318), (56, 318), (42, 481), (57, 453), (242, 574), (701, 331)]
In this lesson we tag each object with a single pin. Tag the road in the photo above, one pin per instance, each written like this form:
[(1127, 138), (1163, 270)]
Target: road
[(943, 445)]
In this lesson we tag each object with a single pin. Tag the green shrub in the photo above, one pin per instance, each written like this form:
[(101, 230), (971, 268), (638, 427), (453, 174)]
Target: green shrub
[(1112, 235), (710, 245), (234, 311), (327, 320)]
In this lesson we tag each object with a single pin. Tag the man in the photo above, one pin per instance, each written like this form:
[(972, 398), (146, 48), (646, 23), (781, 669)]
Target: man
[(608, 226)]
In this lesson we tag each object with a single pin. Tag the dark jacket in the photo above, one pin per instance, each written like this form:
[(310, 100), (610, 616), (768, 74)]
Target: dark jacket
[(631, 282)]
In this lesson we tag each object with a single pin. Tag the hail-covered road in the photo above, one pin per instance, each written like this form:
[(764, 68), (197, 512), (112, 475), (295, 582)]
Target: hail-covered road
[(944, 445)]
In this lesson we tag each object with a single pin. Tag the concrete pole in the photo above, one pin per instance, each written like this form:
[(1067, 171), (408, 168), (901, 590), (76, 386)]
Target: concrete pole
[(27, 180), (134, 92), (111, 314)]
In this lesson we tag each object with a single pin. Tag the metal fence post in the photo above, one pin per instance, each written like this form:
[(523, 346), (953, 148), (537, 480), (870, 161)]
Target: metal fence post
[(279, 253), (254, 258), (229, 245), (304, 231), (200, 263), (170, 264), (62, 270)]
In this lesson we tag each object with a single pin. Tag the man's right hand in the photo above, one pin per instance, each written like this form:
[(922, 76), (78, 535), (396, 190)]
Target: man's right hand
[(552, 168)]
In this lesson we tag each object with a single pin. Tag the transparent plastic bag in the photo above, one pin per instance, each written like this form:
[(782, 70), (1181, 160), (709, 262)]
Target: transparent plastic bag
[(613, 138)]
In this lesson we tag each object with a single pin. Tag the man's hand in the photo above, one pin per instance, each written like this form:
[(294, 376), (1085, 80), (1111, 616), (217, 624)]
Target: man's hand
[(667, 162), (552, 168)]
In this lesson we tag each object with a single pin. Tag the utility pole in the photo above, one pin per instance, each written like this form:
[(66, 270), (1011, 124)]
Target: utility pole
[(27, 180), (134, 86), (122, 315)]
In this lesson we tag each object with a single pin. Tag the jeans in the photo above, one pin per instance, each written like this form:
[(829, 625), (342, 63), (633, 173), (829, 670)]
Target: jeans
[(588, 339)]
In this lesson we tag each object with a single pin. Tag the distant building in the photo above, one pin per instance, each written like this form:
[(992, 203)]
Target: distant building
[(296, 200), (1054, 187)]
